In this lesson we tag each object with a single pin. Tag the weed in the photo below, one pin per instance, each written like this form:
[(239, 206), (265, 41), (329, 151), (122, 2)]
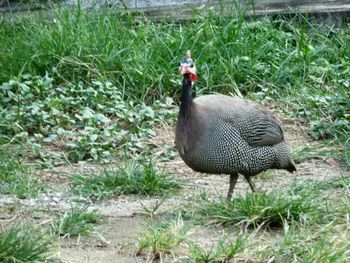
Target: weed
[(302, 70), (327, 116), (261, 209), (313, 187), (93, 124), (77, 221), (16, 178), (164, 238), (340, 182), (302, 245), (80, 45), (267, 175), (132, 178), (223, 252), (305, 152), (341, 207), (20, 243), (152, 211)]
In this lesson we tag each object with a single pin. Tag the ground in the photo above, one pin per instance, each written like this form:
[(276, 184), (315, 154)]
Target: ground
[(115, 239)]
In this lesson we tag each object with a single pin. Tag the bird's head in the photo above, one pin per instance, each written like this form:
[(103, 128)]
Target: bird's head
[(188, 68)]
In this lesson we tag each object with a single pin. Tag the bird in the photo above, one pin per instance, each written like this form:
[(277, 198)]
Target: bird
[(221, 134)]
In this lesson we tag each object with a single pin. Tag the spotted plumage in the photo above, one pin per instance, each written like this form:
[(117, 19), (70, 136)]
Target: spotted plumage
[(220, 134)]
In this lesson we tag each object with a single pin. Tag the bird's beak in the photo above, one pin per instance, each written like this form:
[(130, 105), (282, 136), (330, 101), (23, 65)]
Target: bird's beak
[(185, 69)]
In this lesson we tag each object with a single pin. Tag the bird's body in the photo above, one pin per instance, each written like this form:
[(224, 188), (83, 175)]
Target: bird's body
[(228, 134), (221, 134)]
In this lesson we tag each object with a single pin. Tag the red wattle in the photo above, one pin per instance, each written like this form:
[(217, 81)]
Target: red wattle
[(193, 77)]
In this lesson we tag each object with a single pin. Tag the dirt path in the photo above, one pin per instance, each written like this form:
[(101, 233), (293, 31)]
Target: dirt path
[(126, 216)]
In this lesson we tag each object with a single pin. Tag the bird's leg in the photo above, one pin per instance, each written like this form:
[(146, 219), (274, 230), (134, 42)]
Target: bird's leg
[(250, 182), (233, 181)]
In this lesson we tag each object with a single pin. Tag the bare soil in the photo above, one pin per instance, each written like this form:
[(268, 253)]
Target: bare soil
[(115, 240)]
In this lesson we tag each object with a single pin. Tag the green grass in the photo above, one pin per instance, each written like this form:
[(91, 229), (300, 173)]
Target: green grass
[(295, 64), (15, 177), (314, 216), (307, 152), (86, 45), (20, 243), (77, 221), (262, 208), (159, 239), (313, 222), (162, 238), (305, 186), (88, 81), (267, 175), (300, 244), (132, 178), (224, 251)]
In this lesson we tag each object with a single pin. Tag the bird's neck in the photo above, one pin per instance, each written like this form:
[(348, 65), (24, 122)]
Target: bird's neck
[(186, 97)]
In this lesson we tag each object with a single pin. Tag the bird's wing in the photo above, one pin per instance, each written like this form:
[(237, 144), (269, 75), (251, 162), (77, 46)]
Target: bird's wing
[(257, 126)]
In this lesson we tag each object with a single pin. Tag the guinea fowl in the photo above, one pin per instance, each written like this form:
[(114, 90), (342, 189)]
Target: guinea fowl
[(219, 134)]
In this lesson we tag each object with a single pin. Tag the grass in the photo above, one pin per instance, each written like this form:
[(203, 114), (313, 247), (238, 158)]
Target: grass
[(299, 244), (225, 250), (20, 243), (267, 175), (75, 222), (15, 177), (262, 208), (312, 230), (314, 216), (162, 239), (342, 207), (323, 150), (320, 242), (299, 66), (85, 45), (305, 186), (132, 178), (88, 82), (307, 152)]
